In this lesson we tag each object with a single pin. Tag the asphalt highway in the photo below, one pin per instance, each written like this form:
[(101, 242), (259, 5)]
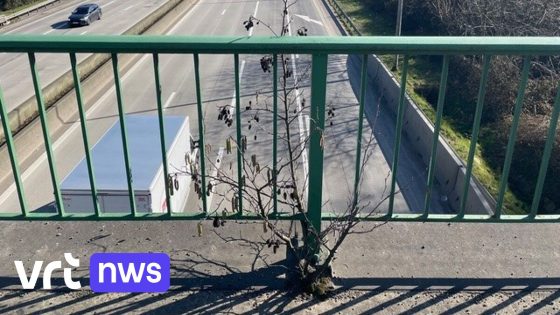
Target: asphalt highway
[(211, 17), (15, 77)]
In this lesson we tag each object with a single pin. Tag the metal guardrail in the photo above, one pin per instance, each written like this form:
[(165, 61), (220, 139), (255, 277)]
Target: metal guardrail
[(319, 48), (348, 25), (6, 19)]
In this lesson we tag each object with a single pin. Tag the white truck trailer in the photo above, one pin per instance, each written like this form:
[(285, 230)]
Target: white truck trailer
[(146, 167)]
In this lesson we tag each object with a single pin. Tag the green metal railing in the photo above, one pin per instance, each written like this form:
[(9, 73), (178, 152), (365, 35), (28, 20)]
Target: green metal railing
[(319, 48)]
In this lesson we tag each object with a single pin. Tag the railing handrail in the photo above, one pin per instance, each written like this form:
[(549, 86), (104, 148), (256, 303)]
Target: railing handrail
[(410, 45), (319, 48)]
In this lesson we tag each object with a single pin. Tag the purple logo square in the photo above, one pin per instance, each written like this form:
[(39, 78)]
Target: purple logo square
[(129, 272)]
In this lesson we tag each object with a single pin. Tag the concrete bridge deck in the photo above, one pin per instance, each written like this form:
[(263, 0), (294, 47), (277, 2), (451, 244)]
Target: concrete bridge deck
[(399, 267)]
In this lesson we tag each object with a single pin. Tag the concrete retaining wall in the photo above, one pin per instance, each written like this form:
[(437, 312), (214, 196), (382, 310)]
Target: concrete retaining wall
[(450, 171), (97, 76)]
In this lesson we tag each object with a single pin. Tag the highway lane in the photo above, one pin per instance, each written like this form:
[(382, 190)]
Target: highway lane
[(343, 88), (38, 23), (139, 95), (212, 17), (15, 77)]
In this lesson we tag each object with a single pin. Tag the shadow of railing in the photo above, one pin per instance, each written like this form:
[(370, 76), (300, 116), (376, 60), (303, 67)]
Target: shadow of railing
[(197, 291), (204, 284)]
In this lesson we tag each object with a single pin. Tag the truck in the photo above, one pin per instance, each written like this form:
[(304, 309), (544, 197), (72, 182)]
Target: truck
[(148, 178)]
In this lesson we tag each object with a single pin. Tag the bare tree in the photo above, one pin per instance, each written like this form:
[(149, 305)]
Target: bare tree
[(263, 182)]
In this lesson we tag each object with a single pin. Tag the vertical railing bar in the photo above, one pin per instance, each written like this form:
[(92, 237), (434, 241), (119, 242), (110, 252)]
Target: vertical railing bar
[(83, 124), (549, 145), (437, 129), (363, 85), (12, 153), (274, 133), (513, 135), (319, 64), (398, 134), (201, 145), (122, 122), (45, 130), (162, 134), (475, 132), (239, 144)]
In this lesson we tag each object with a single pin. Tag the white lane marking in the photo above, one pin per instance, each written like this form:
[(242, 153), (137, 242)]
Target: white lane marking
[(214, 175), (171, 96), (33, 167), (254, 15), (233, 98), (325, 17), (109, 3), (302, 129), (308, 19), (49, 31), (233, 101), (223, 12), (128, 8), (82, 33)]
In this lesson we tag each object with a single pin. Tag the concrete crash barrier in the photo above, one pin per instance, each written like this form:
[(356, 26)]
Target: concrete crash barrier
[(96, 75), (417, 129)]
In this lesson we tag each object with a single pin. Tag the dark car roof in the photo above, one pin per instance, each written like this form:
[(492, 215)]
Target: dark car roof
[(87, 5)]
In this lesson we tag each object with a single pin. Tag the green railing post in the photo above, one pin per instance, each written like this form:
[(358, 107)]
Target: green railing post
[(201, 146), (549, 145), (240, 161), (513, 135), (83, 124), (315, 162), (122, 122), (274, 133), (398, 136), (437, 129), (475, 132), (162, 134), (46, 136), (363, 86), (12, 153)]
